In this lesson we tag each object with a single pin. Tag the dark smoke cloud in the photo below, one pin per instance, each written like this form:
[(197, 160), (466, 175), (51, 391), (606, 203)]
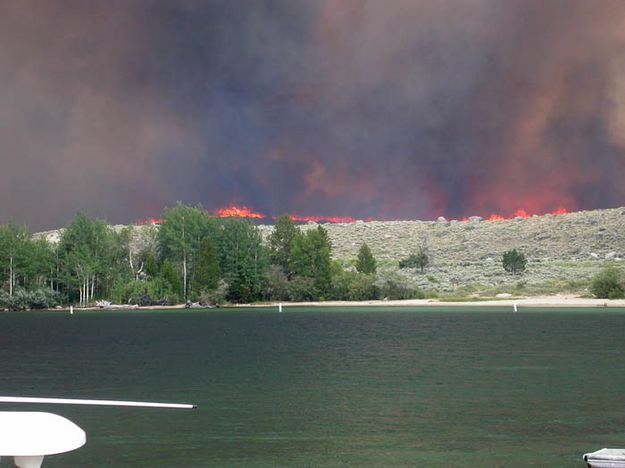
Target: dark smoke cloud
[(398, 109), (79, 127)]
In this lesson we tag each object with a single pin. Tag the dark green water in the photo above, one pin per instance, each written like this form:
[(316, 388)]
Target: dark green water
[(311, 387)]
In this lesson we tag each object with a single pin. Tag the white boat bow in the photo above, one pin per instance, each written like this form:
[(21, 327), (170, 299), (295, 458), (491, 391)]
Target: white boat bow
[(29, 436)]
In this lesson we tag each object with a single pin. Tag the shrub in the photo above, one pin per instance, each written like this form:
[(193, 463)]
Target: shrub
[(352, 286), (398, 291), (22, 299), (394, 286), (275, 284), (417, 260), (608, 284), (514, 261), (44, 298), (134, 292), (216, 296), (152, 292), (302, 289)]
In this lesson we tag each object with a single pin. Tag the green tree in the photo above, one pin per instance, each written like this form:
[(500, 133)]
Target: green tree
[(608, 284), (40, 263), (150, 266), (181, 231), (85, 250), (311, 258), (207, 272), (280, 241), (122, 262), (171, 280), (13, 242), (138, 246), (243, 260), (366, 261), (514, 261), (125, 253), (419, 260)]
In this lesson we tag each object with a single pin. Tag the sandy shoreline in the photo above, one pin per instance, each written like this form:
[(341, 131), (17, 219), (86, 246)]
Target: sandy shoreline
[(536, 301)]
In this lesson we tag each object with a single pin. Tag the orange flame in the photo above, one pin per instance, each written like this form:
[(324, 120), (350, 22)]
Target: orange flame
[(521, 213), (238, 212), (327, 219), (234, 211), (152, 221)]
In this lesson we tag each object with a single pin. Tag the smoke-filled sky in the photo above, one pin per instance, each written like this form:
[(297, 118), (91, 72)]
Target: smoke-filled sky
[(404, 109)]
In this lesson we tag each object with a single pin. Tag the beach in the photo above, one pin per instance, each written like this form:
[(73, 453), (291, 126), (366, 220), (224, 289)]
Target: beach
[(553, 301), (559, 300), (535, 301)]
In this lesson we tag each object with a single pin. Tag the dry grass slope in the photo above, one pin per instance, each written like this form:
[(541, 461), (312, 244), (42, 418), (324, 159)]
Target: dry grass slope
[(563, 251)]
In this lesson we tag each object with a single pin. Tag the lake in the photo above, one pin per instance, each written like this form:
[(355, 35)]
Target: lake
[(327, 387)]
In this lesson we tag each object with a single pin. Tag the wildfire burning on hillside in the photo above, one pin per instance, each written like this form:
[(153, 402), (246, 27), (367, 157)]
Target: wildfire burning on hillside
[(238, 212), (521, 213), (149, 221), (321, 219), (245, 212)]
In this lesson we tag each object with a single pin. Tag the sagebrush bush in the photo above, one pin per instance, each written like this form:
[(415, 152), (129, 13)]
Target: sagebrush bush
[(394, 285), (608, 284), (43, 298)]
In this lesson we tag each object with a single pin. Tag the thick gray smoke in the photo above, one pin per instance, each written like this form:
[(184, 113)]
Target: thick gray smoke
[(398, 109)]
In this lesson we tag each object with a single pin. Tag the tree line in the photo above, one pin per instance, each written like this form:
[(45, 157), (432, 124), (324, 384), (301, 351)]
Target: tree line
[(189, 257), (192, 257)]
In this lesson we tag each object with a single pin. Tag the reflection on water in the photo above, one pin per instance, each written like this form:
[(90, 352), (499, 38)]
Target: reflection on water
[(319, 387)]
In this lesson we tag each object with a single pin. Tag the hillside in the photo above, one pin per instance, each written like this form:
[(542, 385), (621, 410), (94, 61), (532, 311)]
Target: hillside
[(563, 251)]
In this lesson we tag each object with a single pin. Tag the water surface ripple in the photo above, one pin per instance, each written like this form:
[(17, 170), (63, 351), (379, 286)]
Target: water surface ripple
[(328, 387)]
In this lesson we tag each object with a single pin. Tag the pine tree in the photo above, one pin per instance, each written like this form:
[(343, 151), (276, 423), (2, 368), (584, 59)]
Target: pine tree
[(280, 242), (311, 258), (514, 261), (366, 261)]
